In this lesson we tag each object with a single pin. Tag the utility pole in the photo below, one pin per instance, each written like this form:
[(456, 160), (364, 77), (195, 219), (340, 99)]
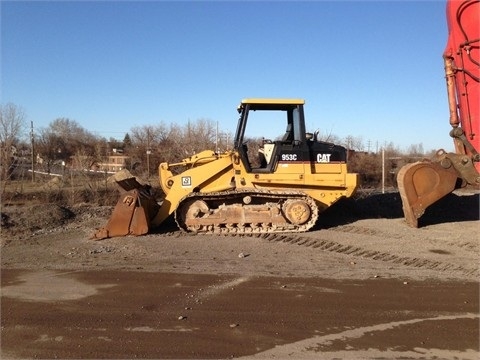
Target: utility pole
[(32, 139), (148, 152), (383, 170), (216, 140)]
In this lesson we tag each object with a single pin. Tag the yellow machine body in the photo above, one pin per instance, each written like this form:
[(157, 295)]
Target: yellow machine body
[(232, 192)]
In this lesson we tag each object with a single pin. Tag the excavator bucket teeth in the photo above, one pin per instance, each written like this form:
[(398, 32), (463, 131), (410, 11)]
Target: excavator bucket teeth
[(133, 212), (421, 184)]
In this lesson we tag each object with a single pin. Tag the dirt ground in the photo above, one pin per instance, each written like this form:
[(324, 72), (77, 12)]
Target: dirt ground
[(354, 239), (361, 249)]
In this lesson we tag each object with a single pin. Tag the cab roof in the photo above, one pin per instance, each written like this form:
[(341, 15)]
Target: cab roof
[(273, 101), (269, 104)]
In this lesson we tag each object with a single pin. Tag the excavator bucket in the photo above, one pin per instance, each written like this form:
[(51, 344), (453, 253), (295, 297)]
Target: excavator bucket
[(133, 212), (421, 184)]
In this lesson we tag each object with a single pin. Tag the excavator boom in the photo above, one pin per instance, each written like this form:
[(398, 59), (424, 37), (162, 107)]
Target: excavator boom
[(423, 183)]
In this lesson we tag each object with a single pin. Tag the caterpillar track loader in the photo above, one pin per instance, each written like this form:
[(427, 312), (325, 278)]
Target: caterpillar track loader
[(281, 186), (423, 183)]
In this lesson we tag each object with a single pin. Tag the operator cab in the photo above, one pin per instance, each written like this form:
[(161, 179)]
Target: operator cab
[(272, 131), (265, 127)]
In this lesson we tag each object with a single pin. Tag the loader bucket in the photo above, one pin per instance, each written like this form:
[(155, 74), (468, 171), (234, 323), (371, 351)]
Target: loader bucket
[(421, 184), (132, 213)]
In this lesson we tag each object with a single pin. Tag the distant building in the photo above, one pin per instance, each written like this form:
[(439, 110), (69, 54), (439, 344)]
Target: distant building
[(113, 163)]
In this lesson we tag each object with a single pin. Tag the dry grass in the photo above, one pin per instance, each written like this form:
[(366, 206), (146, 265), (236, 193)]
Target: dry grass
[(63, 191)]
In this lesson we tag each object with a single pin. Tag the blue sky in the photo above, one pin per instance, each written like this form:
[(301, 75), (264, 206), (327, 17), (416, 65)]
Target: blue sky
[(369, 69)]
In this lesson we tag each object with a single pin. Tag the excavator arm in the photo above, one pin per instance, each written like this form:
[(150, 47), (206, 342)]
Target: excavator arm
[(423, 183)]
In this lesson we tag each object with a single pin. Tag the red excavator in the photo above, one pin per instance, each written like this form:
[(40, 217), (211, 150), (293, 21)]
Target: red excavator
[(422, 183)]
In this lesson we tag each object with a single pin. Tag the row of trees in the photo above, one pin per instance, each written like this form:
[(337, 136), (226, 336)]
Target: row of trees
[(64, 139)]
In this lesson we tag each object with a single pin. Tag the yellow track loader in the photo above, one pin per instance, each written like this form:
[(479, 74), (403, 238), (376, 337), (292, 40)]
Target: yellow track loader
[(280, 185)]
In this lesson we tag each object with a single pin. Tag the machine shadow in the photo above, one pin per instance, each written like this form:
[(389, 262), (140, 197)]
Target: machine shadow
[(451, 208)]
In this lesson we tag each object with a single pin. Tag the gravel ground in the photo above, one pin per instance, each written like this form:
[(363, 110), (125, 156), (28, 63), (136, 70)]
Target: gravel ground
[(363, 242), (356, 238)]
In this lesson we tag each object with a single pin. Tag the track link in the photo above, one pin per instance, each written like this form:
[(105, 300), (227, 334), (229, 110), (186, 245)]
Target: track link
[(246, 211)]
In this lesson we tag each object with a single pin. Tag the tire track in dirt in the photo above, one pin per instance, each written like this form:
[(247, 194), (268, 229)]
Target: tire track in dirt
[(358, 251), (465, 245), (354, 229)]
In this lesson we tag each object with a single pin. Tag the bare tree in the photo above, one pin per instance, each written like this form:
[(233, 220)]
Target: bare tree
[(198, 136), (75, 139), (391, 149), (416, 150), (368, 166), (327, 137), (169, 143), (224, 141), (12, 127), (50, 148), (145, 144), (353, 143)]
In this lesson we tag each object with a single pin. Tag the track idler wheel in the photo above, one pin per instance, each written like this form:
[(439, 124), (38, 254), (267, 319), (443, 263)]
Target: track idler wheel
[(191, 212)]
